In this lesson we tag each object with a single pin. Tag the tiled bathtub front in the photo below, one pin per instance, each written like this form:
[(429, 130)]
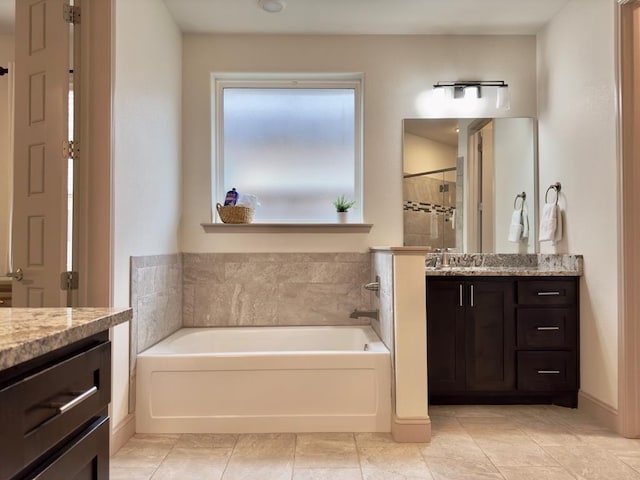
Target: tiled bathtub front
[(229, 289)]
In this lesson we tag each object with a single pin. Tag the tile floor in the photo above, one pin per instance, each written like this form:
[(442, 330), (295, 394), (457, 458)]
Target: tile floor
[(469, 442)]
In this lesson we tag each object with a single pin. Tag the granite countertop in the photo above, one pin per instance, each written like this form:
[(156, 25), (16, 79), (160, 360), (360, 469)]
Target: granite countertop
[(506, 265), (26, 333)]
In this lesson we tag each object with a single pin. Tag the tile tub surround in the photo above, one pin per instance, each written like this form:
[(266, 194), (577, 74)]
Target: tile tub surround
[(469, 442), (27, 333), (487, 264), (266, 289), (156, 299)]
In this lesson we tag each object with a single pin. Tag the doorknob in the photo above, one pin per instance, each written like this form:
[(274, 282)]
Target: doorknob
[(18, 274)]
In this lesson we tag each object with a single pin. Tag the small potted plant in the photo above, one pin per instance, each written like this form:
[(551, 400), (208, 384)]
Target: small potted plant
[(343, 205)]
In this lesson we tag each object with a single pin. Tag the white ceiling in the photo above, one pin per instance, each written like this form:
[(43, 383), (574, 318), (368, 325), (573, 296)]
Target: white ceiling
[(366, 16), (397, 17)]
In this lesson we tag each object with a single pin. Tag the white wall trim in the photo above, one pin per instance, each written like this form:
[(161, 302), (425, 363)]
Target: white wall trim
[(121, 433), (604, 414)]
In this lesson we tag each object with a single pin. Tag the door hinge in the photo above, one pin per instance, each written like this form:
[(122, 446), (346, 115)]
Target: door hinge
[(70, 149), (69, 281), (71, 14)]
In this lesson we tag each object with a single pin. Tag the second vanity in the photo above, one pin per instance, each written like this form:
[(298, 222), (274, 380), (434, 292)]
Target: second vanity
[(503, 328)]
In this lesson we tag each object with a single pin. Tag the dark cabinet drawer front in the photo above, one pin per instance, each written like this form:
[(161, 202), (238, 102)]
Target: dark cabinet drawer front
[(42, 409), (85, 457), (547, 292), (547, 371), (546, 328)]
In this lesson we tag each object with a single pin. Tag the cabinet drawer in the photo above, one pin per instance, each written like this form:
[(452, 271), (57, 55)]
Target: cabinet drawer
[(547, 371), (547, 292), (45, 407), (546, 328), (83, 457)]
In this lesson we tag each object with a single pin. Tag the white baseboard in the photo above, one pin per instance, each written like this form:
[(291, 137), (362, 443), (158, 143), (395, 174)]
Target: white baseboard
[(122, 432), (604, 414)]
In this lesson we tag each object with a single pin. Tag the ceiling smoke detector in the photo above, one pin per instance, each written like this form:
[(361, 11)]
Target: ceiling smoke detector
[(272, 6)]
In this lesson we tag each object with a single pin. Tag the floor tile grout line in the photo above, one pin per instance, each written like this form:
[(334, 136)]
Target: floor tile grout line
[(355, 443), (295, 456), (165, 457), (233, 449), (480, 447)]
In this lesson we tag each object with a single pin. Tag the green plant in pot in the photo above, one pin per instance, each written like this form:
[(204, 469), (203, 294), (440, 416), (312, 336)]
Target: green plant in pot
[(342, 205)]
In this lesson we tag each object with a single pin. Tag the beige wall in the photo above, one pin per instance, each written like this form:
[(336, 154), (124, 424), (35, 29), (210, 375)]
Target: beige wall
[(577, 147), (146, 163), (421, 155), (6, 162), (399, 72)]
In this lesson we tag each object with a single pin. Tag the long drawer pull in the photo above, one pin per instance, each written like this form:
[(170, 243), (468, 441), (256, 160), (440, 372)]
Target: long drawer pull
[(77, 400), (460, 294), (548, 372), (548, 294), (547, 328)]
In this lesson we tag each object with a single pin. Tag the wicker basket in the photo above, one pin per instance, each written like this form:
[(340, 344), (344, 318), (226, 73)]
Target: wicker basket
[(234, 214)]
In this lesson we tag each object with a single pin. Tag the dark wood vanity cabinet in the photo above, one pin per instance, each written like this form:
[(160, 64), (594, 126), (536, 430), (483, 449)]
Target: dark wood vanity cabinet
[(502, 340), (53, 414)]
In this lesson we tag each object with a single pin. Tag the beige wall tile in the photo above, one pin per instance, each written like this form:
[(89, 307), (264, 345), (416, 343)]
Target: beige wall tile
[(274, 289)]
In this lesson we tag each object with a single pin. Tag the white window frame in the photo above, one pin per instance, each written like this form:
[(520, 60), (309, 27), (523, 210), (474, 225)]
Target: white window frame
[(220, 81)]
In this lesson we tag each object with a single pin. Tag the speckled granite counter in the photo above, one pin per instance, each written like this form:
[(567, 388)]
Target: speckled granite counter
[(505, 265), (26, 333)]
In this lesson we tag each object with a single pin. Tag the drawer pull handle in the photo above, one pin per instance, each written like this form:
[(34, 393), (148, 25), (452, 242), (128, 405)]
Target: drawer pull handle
[(75, 401), (548, 372), (460, 294), (547, 328), (548, 294)]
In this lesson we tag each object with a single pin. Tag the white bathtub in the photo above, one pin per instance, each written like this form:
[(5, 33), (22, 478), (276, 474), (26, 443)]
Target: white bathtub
[(265, 379)]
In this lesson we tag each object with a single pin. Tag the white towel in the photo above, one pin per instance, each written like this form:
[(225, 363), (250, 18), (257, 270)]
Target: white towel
[(525, 222), (551, 223), (433, 230), (453, 219), (515, 228)]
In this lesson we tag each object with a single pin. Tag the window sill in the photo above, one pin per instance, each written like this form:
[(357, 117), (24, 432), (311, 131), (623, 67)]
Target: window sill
[(287, 227)]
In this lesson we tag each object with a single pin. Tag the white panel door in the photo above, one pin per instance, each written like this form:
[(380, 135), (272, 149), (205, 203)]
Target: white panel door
[(40, 171)]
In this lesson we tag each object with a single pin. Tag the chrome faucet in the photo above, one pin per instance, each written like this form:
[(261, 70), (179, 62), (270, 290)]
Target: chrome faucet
[(442, 261), (364, 313), (445, 257)]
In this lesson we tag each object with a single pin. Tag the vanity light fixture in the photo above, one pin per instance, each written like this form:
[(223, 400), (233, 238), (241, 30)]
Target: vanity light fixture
[(272, 6), (472, 89)]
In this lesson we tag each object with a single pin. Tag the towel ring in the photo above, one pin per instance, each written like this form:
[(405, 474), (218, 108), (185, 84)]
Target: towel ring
[(523, 196), (556, 187)]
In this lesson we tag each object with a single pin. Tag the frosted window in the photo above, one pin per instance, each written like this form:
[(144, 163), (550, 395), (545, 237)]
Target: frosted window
[(295, 148)]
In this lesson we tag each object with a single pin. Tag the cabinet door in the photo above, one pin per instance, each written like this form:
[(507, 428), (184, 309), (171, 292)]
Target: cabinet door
[(490, 336), (445, 336)]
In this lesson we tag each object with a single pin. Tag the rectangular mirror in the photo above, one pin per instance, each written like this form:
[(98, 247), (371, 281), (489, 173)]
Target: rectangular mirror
[(470, 184)]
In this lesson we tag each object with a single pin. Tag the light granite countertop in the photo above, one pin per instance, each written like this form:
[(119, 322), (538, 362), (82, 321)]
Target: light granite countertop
[(505, 265), (27, 333)]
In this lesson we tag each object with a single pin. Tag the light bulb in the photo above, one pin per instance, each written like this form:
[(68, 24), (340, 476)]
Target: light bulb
[(471, 92), (502, 98)]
